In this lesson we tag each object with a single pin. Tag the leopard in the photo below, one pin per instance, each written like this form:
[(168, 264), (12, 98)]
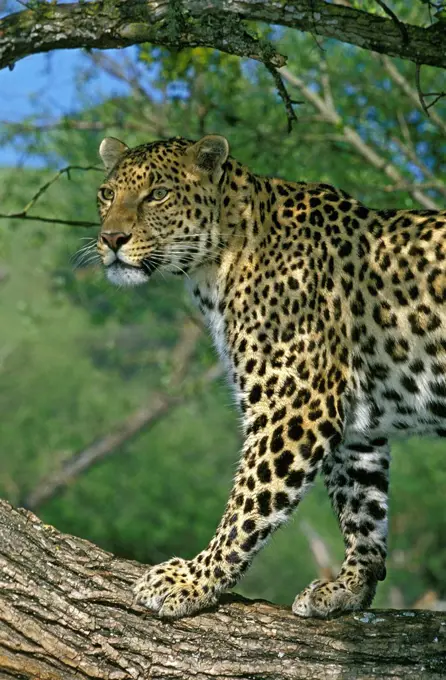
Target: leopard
[(329, 318)]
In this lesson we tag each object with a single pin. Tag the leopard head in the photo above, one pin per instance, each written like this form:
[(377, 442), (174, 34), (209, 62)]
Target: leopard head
[(160, 206)]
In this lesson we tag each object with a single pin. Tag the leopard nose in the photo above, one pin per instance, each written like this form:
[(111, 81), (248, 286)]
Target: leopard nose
[(115, 239)]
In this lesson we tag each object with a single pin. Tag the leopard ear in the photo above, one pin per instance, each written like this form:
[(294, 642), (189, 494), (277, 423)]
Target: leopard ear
[(209, 154), (110, 150)]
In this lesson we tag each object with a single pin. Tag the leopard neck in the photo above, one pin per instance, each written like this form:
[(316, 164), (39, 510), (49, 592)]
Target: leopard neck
[(240, 210)]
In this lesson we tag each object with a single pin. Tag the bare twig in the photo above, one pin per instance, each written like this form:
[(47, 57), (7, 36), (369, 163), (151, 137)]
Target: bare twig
[(21, 127), (420, 93), (64, 171), (437, 95), (23, 214), (283, 93), (48, 220), (64, 124), (410, 92)]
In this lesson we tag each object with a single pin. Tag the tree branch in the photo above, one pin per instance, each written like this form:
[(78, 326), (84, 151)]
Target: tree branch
[(413, 186), (284, 95), (209, 23), (325, 106), (24, 213), (410, 91), (21, 128), (49, 220), (422, 95), (410, 152), (67, 613)]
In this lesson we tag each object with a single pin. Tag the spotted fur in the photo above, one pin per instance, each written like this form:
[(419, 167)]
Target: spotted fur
[(330, 319)]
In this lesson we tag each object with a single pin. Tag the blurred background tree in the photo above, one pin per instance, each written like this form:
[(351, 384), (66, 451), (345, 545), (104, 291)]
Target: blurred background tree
[(116, 423)]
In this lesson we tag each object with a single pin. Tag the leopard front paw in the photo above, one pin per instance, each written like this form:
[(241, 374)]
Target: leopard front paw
[(173, 589)]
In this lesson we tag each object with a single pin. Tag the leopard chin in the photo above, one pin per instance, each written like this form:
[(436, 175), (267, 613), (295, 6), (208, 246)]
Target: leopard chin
[(121, 274)]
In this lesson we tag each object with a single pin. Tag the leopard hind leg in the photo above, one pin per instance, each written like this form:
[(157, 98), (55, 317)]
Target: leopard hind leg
[(356, 477)]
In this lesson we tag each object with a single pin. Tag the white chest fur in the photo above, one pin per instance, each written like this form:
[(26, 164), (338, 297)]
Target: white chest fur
[(206, 294)]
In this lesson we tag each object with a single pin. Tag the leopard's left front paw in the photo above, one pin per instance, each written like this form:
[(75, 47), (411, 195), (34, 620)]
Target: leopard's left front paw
[(173, 589), (322, 599)]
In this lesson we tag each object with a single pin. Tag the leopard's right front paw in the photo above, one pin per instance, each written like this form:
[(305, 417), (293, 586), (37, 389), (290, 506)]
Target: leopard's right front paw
[(172, 589)]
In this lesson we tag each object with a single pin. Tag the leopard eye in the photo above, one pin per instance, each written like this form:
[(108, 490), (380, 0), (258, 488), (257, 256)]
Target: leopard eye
[(158, 194), (106, 194)]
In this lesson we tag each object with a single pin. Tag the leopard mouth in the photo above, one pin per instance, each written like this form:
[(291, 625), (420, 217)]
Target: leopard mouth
[(149, 265), (123, 274), (120, 265)]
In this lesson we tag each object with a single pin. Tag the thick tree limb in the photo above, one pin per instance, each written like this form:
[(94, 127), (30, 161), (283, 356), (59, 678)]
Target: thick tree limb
[(66, 613), (211, 23)]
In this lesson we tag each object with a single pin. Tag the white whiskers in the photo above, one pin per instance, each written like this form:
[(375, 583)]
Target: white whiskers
[(86, 255)]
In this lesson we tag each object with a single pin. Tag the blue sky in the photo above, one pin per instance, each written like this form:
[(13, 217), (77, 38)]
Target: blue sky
[(44, 86), (38, 82)]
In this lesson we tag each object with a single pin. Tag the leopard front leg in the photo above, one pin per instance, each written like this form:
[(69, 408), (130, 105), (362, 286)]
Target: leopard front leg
[(356, 476), (283, 449)]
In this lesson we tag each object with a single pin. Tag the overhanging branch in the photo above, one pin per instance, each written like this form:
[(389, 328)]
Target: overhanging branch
[(210, 23)]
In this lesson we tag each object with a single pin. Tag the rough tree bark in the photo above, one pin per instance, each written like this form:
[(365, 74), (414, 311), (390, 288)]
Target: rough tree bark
[(211, 23), (66, 613)]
